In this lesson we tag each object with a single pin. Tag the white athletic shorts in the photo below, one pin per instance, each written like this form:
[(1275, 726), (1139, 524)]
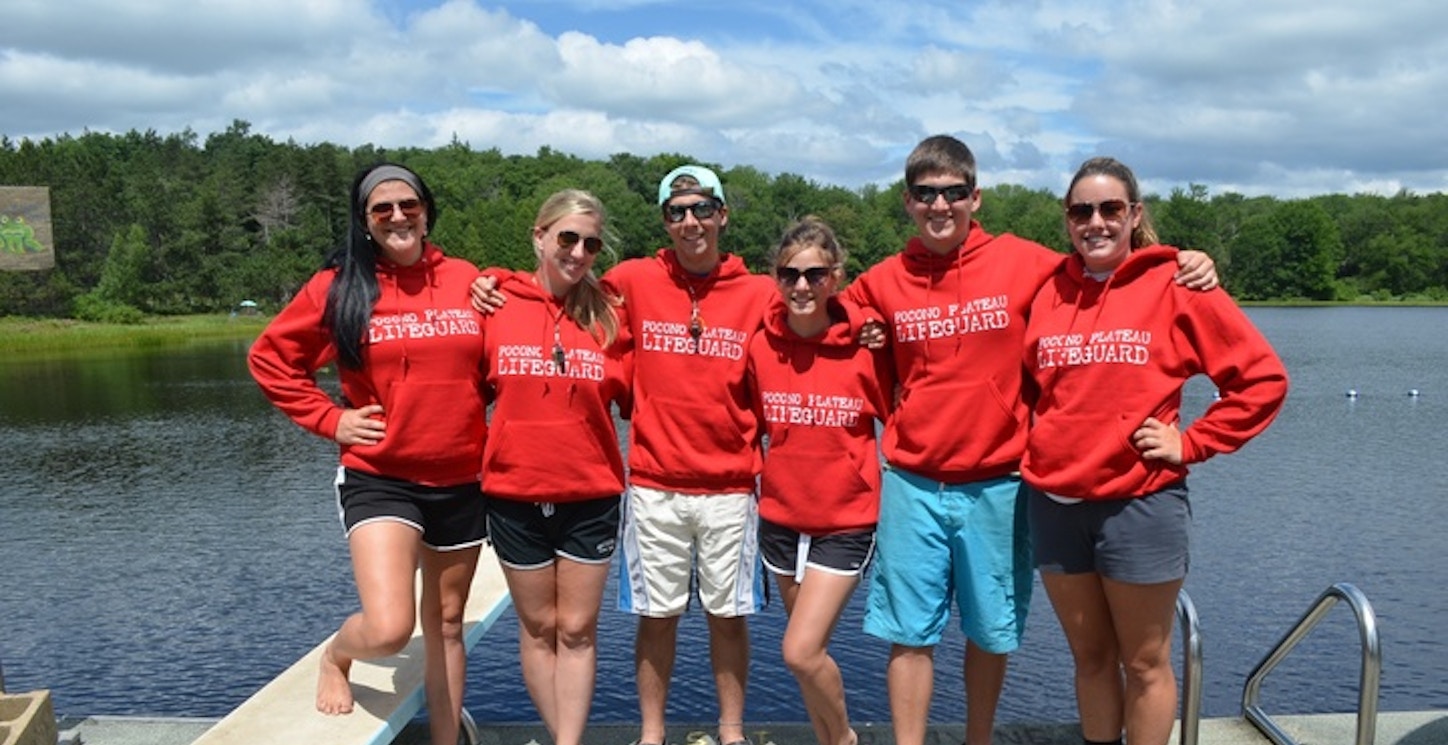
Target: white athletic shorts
[(667, 539)]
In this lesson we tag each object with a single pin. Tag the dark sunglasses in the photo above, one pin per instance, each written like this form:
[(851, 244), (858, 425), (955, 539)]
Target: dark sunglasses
[(383, 210), (927, 194), (702, 210), (1111, 209), (815, 275), (567, 239)]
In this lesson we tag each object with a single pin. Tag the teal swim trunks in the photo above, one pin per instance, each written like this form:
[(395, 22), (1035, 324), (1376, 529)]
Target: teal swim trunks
[(937, 543)]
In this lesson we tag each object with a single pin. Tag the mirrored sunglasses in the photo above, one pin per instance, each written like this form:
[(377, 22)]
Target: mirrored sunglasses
[(702, 210)]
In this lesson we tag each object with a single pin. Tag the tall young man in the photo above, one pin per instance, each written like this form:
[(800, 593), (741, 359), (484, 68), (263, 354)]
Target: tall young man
[(694, 455), (952, 529)]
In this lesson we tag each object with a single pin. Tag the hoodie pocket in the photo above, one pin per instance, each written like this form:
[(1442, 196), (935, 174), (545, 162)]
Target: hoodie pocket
[(691, 438), (1082, 451), (543, 457), (434, 425), (813, 486), (955, 426)]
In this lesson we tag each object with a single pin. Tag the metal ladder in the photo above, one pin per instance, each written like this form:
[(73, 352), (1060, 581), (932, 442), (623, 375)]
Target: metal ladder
[(1372, 663), (1191, 706)]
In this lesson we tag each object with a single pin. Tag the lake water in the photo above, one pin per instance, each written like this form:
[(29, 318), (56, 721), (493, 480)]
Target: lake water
[(168, 544)]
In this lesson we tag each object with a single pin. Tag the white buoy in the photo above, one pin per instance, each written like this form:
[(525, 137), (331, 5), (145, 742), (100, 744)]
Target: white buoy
[(1351, 393), (1412, 392)]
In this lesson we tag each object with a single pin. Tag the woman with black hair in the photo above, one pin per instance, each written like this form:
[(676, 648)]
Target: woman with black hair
[(393, 312)]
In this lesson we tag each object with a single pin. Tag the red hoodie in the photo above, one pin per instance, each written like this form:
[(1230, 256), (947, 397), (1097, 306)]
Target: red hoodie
[(1107, 355), (692, 426), (818, 399), (422, 361), (957, 323), (552, 437)]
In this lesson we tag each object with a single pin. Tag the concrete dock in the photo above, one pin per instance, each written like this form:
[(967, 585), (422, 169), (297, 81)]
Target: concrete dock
[(1393, 728)]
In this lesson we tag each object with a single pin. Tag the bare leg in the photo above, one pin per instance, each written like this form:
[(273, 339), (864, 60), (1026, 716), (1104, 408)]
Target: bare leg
[(580, 596), (1081, 607), (814, 607), (910, 679), (384, 561), (729, 654), (1143, 616), (446, 579), (985, 676), (654, 667), (535, 598)]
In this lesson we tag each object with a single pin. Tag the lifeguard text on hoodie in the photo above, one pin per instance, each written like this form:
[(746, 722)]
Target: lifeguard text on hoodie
[(1108, 354), (421, 361), (692, 427), (957, 324), (818, 399), (551, 437)]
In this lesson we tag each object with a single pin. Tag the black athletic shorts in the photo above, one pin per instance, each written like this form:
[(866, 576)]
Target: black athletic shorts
[(449, 517)]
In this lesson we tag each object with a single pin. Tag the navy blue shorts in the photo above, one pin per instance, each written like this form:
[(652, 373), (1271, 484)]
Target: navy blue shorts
[(531, 535), (789, 552)]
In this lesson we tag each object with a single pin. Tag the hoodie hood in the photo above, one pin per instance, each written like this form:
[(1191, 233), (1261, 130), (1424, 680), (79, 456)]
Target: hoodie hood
[(919, 259), (521, 285), (431, 257), (729, 266), (1136, 263), (845, 322)]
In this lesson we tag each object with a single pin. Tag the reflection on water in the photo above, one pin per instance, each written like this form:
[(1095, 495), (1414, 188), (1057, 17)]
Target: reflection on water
[(169, 543)]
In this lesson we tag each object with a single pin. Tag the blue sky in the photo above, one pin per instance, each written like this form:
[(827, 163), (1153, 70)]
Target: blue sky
[(1287, 97)]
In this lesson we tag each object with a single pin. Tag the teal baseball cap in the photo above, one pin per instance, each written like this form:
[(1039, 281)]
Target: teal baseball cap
[(708, 184)]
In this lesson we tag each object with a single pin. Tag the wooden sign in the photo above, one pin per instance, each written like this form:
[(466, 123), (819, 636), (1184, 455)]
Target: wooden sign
[(26, 241)]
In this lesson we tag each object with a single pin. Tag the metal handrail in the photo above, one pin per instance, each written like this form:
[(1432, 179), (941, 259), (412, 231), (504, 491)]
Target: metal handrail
[(1191, 669), (1372, 664), (468, 729)]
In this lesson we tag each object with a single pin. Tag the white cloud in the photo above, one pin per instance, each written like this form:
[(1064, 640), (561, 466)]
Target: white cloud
[(1289, 98)]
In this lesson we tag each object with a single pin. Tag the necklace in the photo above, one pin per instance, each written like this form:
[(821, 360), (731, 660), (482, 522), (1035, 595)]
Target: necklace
[(560, 360), (696, 320)]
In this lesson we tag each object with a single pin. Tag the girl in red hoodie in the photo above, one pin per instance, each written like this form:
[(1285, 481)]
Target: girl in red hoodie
[(1110, 341), (393, 312), (552, 468), (817, 394)]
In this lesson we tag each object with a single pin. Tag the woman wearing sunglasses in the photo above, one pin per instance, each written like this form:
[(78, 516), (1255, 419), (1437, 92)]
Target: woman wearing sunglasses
[(393, 312), (552, 469), (1110, 341), (818, 395)]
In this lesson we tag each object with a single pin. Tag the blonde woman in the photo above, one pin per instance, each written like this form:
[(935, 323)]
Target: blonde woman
[(552, 469)]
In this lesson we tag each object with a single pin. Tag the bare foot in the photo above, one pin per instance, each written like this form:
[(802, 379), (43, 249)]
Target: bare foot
[(334, 692)]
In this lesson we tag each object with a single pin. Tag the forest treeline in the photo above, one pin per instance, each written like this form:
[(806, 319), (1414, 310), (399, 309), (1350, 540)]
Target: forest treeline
[(145, 223)]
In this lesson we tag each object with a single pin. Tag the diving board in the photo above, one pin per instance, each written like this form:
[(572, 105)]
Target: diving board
[(388, 690)]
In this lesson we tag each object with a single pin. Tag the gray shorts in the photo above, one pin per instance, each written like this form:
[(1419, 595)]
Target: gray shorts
[(1140, 540)]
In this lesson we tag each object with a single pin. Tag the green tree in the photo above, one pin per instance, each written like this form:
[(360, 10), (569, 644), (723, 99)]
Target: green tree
[(1187, 219), (1291, 251)]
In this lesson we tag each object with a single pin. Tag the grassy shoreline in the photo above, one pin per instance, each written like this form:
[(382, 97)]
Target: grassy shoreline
[(31, 336), (40, 336)]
